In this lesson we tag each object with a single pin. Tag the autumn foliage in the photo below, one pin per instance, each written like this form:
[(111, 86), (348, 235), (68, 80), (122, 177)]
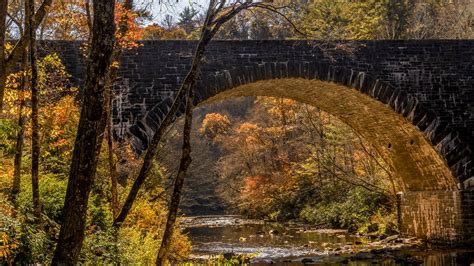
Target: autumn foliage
[(287, 160), (214, 125), (127, 18)]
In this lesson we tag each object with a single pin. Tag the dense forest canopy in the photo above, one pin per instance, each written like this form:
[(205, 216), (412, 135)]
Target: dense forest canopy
[(65, 179)]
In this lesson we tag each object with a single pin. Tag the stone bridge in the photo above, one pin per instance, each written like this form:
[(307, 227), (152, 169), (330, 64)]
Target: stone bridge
[(413, 100)]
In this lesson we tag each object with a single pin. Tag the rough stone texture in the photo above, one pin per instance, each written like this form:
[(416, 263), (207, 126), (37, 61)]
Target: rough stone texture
[(401, 145), (439, 216), (428, 82)]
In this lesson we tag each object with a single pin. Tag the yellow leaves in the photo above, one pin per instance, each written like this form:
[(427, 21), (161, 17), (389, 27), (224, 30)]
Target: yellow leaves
[(215, 124), (59, 122), (58, 113), (7, 247), (67, 20), (8, 48), (155, 32), (247, 128), (147, 214), (279, 108), (357, 20), (53, 80), (115, 64), (14, 93)]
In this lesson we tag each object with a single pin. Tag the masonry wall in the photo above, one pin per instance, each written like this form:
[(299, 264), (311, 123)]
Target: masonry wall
[(439, 74), (438, 216), (429, 82), (433, 80)]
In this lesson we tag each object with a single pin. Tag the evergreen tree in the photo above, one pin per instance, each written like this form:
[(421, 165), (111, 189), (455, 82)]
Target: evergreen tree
[(187, 19)]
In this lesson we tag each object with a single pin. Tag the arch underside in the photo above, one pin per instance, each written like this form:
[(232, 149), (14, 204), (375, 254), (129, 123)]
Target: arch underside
[(413, 97), (422, 150), (415, 162)]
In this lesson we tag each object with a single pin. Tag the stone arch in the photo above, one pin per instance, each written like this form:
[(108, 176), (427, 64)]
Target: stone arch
[(424, 172)]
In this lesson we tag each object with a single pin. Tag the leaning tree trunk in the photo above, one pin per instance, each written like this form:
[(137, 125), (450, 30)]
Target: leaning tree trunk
[(212, 24), (89, 135), (187, 84), (178, 183), (21, 132), (3, 32), (152, 149), (35, 139)]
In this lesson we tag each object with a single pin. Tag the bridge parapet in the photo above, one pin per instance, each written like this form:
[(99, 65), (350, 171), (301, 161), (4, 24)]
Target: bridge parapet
[(430, 83)]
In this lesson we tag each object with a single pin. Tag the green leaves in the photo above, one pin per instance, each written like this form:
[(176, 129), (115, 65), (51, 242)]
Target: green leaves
[(355, 20)]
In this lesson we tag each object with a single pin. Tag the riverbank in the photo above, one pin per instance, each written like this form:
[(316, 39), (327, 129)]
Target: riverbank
[(233, 238)]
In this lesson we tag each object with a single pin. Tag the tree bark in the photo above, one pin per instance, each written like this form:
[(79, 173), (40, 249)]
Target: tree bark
[(20, 136), (114, 202), (152, 149), (89, 135), (35, 145), (179, 182), (9, 62), (3, 33), (211, 25)]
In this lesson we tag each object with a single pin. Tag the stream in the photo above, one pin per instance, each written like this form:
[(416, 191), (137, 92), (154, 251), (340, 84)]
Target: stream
[(284, 244)]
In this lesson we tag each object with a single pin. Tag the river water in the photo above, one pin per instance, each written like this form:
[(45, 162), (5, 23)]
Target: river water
[(279, 244)]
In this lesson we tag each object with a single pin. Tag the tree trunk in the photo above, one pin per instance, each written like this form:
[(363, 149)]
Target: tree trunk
[(20, 136), (8, 63), (114, 203), (207, 34), (3, 32), (179, 181), (152, 149), (211, 25), (89, 135), (35, 145), (123, 28)]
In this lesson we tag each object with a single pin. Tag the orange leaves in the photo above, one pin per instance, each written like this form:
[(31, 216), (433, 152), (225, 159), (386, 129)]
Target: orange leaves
[(254, 183), (214, 125), (156, 32), (59, 122), (247, 128), (279, 108), (7, 247), (128, 31), (60, 143), (254, 192)]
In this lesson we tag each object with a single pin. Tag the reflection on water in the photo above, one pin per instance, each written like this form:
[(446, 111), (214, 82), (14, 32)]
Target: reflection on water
[(289, 245)]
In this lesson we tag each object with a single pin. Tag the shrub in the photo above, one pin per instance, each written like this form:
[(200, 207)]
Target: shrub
[(52, 193)]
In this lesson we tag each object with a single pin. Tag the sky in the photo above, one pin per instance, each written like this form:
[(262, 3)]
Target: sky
[(171, 7)]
